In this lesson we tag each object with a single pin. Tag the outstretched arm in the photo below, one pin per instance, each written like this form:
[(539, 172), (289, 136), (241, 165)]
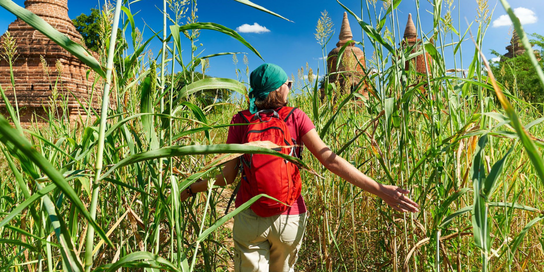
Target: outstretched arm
[(392, 195), (227, 176)]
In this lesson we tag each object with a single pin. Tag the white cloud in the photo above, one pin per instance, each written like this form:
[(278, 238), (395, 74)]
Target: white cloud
[(496, 59), (526, 17), (255, 28)]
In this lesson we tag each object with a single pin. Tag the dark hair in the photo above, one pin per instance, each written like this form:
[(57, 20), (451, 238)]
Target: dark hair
[(274, 100)]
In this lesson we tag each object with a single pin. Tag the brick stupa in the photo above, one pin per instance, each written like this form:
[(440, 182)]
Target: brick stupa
[(34, 84), (350, 71), (410, 39)]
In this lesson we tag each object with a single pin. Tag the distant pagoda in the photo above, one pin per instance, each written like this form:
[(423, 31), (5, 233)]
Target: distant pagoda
[(349, 72), (34, 83), (515, 48), (410, 39)]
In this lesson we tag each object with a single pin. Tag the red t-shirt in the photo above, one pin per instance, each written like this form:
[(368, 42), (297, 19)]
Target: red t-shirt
[(298, 124)]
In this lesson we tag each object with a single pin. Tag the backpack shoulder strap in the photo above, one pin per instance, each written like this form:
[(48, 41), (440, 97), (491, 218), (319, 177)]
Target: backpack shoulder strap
[(246, 115), (286, 112), (234, 193)]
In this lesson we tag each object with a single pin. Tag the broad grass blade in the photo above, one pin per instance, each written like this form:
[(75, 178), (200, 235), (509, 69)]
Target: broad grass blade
[(11, 138), (54, 146), (491, 180), (394, 5), (122, 184), (26, 233), (146, 105), (137, 260), (121, 122), (445, 205), (231, 215), (196, 130), (70, 259), (479, 212), (177, 44), (513, 205), (213, 84), (534, 123), (315, 99), (452, 216), (198, 114), (218, 28), (194, 177), (433, 52), (171, 151), (26, 203), (253, 5), (19, 243), (388, 111)]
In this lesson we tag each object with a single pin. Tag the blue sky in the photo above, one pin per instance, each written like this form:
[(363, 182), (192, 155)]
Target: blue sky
[(292, 44)]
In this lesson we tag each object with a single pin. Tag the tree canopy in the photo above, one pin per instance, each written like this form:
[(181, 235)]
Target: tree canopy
[(89, 28), (518, 74)]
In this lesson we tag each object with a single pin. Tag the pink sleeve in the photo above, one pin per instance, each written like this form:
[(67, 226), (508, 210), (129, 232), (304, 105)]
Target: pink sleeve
[(235, 133), (304, 123)]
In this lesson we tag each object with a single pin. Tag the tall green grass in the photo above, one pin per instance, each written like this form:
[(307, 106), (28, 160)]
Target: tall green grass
[(473, 164)]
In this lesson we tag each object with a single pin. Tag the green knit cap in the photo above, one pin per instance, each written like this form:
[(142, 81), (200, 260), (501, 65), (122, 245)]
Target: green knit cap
[(263, 80)]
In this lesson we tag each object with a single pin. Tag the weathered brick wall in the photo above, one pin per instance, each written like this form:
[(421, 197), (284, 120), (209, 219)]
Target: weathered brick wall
[(419, 61), (37, 80)]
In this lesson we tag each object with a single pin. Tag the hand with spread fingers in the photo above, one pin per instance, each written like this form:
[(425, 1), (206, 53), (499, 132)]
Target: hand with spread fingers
[(397, 198), (394, 196)]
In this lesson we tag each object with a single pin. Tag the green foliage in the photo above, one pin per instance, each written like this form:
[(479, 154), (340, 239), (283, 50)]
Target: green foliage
[(206, 97), (518, 75), (538, 41), (89, 28), (93, 28)]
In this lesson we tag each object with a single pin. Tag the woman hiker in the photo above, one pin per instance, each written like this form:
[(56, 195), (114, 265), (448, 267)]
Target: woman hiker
[(267, 237)]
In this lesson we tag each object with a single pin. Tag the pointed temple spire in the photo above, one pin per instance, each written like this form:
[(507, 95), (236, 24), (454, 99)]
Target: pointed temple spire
[(410, 33), (345, 32), (410, 39), (349, 70)]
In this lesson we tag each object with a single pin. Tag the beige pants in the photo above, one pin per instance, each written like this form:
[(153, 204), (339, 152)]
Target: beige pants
[(267, 243)]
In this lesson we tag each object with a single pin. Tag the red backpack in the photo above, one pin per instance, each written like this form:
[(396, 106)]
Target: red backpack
[(268, 174)]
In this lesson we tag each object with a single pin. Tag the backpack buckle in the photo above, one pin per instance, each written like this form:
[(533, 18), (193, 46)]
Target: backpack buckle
[(258, 114)]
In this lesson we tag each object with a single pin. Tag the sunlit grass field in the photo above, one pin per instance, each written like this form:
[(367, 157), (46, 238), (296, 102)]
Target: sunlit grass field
[(103, 194)]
